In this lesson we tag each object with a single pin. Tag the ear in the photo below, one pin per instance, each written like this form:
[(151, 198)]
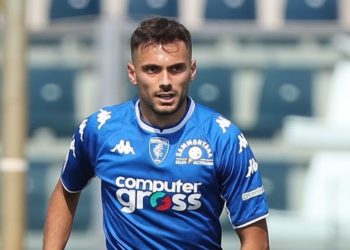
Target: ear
[(132, 74), (193, 69)]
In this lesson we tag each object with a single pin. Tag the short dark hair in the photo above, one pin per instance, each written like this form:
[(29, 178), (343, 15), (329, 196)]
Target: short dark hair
[(159, 30)]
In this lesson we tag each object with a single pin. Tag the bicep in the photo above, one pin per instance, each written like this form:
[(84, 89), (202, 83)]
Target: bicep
[(60, 217), (63, 201), (254, 236), (62, 204)]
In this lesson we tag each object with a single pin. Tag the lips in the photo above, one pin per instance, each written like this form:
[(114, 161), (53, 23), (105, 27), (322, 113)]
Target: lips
[(166, 96)]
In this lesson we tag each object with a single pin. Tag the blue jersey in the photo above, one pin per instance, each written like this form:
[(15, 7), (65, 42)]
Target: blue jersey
[(165, 189)]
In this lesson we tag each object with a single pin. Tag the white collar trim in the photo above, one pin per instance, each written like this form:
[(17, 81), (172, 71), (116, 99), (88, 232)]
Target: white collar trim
[(151, 129)]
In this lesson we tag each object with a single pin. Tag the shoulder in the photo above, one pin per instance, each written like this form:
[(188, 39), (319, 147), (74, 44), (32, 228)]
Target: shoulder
[(215, 124), (108, 118)]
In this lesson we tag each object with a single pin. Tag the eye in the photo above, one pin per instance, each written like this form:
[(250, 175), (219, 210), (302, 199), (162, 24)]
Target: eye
[(178, 68), (151, 69)]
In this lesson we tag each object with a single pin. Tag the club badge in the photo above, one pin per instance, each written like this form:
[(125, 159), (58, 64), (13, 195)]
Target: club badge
[(158, 149)]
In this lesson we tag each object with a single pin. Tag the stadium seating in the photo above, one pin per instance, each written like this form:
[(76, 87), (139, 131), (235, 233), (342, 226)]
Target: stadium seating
[(285, 91), (37, 195), (309, 10), (39, 191), (211, 87), (60, 9), (230, 10), (275, 175), (138, 10), (50, 101)]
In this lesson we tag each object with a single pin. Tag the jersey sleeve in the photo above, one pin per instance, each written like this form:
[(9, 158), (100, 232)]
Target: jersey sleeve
[(241, 183), (78, 168)]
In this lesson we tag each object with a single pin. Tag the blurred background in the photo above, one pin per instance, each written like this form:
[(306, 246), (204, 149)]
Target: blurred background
[(278, 68)]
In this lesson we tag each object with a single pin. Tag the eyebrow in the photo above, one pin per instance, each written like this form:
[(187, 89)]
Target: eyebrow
[(157, 65)]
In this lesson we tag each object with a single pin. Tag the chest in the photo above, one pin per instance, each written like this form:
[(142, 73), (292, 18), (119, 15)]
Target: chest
[(188, 158)]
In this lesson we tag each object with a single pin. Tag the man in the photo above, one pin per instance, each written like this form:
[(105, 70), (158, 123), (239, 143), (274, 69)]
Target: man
[(167, 165)]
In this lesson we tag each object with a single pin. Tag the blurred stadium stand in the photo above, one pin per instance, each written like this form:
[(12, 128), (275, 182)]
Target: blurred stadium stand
[(51, 100), (285, 91), (276, 182), (40, 176), (37, 196), (61, 9), (311, 10), (138, 10), (233, 10), (212, 87)]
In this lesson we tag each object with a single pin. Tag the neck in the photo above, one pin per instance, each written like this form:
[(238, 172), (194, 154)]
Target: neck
[(163, 120)]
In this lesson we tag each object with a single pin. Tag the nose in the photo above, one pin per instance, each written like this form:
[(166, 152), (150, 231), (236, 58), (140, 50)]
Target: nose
[(165, 78)]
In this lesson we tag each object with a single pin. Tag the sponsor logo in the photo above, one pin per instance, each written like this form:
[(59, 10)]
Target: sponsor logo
[(253, 167), (252, 194), (160, 201), (123, 147), (133, 194), (194, 151), (158, 149), (223, 123)]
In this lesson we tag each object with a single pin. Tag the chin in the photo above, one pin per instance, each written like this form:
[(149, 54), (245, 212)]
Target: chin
[(166, 112)]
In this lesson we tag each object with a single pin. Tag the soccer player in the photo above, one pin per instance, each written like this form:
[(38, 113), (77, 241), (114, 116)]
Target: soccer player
[(167, 165)]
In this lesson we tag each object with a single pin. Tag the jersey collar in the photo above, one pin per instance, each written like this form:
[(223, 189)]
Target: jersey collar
[(170, 130)]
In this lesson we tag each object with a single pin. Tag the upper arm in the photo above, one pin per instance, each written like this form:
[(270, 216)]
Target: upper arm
[(59, 219), (240, 180), (65, 200), (254, 236), (78, 167)]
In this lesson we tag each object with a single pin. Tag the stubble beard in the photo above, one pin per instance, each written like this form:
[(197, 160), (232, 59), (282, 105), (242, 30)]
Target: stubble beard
[(166, 112)]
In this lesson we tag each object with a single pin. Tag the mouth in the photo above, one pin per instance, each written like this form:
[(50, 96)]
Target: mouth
[(166, 97)]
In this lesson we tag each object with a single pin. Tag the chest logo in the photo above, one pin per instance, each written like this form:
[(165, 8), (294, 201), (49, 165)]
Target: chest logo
[(158, 149), (195, 151), (123, 147)]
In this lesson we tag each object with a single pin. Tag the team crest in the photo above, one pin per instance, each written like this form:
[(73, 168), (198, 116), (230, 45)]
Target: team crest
[(158, 149)]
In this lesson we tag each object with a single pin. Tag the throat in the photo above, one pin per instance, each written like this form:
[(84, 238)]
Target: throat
[(164, 120)]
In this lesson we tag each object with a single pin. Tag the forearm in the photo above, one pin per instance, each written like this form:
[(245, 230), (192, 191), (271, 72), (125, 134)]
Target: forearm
[(59, 218)]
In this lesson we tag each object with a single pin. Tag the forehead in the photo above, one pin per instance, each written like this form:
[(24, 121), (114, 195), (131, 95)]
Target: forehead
[(153, 52)]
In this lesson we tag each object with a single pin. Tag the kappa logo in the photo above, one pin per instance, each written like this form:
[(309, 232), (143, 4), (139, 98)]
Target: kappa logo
[(243, 143), (123, 147), (223, 123), (102, 117), (81, 129), (72, 147), (253, 167), (158, 149)]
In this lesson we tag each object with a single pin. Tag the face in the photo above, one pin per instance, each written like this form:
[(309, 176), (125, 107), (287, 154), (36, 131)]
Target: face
[(162, 74)]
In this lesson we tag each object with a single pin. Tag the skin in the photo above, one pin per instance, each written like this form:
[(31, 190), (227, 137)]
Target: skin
[(59, 220), (162, 73), (254, 236)]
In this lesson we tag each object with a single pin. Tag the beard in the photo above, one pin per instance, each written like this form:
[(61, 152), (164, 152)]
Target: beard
[(164, 110)]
